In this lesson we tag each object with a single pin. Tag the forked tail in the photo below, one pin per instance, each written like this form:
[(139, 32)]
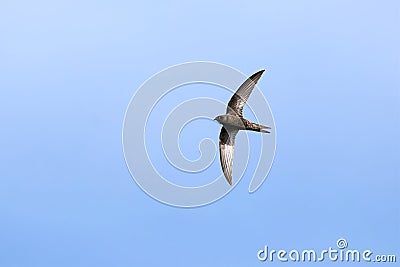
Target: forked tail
[(257, 127)]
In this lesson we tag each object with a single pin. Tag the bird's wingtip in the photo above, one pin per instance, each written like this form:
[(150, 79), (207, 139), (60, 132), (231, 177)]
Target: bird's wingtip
[(260, 72)]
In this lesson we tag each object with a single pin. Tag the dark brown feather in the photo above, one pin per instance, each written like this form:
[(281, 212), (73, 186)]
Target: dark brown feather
[(226, 151), (239, 99)]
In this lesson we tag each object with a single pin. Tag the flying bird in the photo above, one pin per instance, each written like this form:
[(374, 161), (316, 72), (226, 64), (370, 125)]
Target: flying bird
[(233, 121)]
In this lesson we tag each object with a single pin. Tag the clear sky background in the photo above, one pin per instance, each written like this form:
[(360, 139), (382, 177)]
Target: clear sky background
[(69, 68)]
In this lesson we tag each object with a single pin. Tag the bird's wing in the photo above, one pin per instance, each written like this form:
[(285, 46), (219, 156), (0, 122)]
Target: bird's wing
[(239, 99), (226, 148)]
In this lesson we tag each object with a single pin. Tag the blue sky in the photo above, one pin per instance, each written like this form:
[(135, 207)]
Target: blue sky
[(68, 70)]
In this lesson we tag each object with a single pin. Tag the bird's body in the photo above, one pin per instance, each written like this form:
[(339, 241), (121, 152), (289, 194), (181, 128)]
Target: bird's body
[(233, 121), (240, 123)]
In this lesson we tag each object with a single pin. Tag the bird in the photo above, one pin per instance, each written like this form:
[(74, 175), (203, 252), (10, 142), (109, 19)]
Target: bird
[(233, 121)]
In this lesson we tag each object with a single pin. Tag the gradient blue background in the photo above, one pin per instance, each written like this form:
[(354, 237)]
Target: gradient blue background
[(69, 68)]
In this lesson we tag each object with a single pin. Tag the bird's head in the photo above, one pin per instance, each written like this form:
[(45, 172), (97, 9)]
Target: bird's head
[(221, 119)]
